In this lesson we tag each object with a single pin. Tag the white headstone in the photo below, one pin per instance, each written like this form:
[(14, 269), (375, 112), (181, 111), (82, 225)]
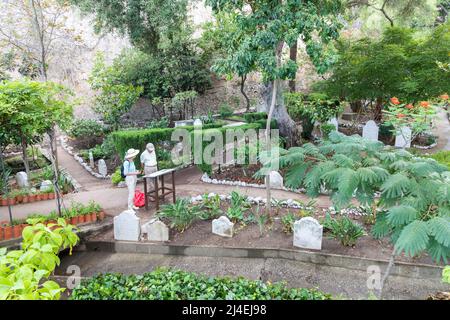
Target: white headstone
[(22, 179), (276, 180), (370, 130), (223, 227), (45, 185), (127, 226), (403, 138), (156, 230), (91, 159), (335, 123), (198, 122), (102, 169), (308, 234)]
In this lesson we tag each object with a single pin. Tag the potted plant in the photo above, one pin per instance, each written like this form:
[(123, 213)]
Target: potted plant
[(74, 219), (17, 229), (18, 195), (11, 199), (7, 231), (51, 193), (44, 195), (32, 196), (25, 195), (101, 215), (4, 201)]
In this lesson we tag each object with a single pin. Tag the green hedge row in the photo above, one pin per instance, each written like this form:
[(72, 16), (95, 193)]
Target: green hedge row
[(169, 284)]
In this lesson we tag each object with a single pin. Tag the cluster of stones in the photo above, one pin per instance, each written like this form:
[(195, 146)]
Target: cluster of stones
[(127, 227), (102, 174)]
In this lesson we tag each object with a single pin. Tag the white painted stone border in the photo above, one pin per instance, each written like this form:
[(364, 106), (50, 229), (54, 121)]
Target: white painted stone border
[(80, 160), (289, 203)]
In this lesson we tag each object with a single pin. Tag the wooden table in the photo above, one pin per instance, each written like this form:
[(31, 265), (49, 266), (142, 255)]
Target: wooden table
[(160, 191)]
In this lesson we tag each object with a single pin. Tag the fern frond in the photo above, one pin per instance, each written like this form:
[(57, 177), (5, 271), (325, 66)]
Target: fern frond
[(420, 169), (296, 174), (381, 228), (367, 175), (438, 252), (343, 161), (395, 186), (347, 184), (399, 165), (313, 179), (413, 238), (401, 215), (439, 228)]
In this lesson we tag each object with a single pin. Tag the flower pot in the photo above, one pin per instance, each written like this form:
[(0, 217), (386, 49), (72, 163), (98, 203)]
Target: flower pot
[(101, 215), (1, 233), (44, 196), (74, 220), (81, 219), (7, 232), (12, 201), (26, 199), (88, 218), (17, 231), (51, 196), (19, 199), (32, 197), (94, 216), (4, 202)]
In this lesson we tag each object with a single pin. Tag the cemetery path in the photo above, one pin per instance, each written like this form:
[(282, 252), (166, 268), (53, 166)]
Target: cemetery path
[(113, 200), (442, 130)]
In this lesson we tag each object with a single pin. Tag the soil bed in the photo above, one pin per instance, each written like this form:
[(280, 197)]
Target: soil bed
[(248, 236)]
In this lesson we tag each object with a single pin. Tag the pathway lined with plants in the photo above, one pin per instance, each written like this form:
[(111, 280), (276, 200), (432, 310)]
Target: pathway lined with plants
[(442, 131)]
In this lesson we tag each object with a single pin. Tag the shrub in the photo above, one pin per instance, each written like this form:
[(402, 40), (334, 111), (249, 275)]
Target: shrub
[(116, 177), (83, 128), (225, 111), (344, 230), (161, 123), (180, 215), (255, 116), (170, 284)]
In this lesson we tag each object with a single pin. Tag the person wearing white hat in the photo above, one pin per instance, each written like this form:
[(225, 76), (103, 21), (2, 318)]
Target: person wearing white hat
[(149, 162), (130, 173)]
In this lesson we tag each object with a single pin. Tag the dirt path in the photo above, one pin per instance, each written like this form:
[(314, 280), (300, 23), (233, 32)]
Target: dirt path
[(442, 130)]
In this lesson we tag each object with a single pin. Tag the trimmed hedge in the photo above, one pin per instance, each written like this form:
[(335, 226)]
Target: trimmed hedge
[(169, 284)]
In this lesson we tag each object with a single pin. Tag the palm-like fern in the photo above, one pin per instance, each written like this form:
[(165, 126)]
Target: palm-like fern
[(415, 192)]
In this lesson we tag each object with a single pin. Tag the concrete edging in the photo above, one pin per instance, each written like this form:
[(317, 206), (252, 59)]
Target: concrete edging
[(403, 269)]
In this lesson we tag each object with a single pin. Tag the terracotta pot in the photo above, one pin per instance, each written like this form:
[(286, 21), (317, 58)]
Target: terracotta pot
[(1, 233), (26, 199), (32, 197), (94, 216), (44, 196), (7, 232), (101, 215), (88, 218), (81, 219), (51, 196), (4, 202), (19, 199), (17, 231), (11, 202), (74, 220)]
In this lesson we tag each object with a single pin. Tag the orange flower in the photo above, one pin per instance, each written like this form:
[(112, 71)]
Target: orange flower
[(400, 115), (445, 96), (424, 104), (409, 106), (395, 101)]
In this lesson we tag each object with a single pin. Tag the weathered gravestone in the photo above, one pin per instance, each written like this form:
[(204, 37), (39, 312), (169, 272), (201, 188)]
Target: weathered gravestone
[(223, 227), (156, 230), (276, 180), (22, 180), (335, 123), (198, 123), (102, 169), (308, 234), (45, 185), (371, 130), (403, 138), (127, 226), (91, 160)]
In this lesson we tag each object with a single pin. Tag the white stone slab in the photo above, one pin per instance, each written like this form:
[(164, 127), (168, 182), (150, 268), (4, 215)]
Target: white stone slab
[(276, 180), (22, 179), (45, 185), (102, 168), (223, 227), (127, 226), (403, 138), (371, 130), (308, 234), (156, 230)]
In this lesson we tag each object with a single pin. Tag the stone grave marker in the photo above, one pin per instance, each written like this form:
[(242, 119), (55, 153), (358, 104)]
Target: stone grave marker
[(91, 160), (403, 138), (223, 227), (22, 179), (308, 234), (127, 226), (371, 130), (276, 180), (102, 169), (156, 230)]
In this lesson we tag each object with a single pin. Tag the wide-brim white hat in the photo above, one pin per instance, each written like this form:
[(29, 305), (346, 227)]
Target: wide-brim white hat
[(131, 153)]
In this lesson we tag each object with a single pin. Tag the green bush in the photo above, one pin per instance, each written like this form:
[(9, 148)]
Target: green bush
[(86, 128), (255, 116), (344, 230), (443, 157), (116, 177), (225, 111), (170, 284), (180, 215)]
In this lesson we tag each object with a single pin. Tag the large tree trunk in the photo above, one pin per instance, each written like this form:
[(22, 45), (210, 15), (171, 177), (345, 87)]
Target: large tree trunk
[(378, 113), (287, 126), (293, 56)]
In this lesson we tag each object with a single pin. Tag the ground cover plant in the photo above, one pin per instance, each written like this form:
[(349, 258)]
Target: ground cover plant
[(171, 284)]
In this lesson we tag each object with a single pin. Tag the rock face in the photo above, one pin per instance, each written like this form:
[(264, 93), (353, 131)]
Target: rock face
[(102, 169), (276, 180), (370, 130), (127, 226), (403, 138), (45, 185), (308, 234), (156, 230), (22, 180), (223, 227)]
